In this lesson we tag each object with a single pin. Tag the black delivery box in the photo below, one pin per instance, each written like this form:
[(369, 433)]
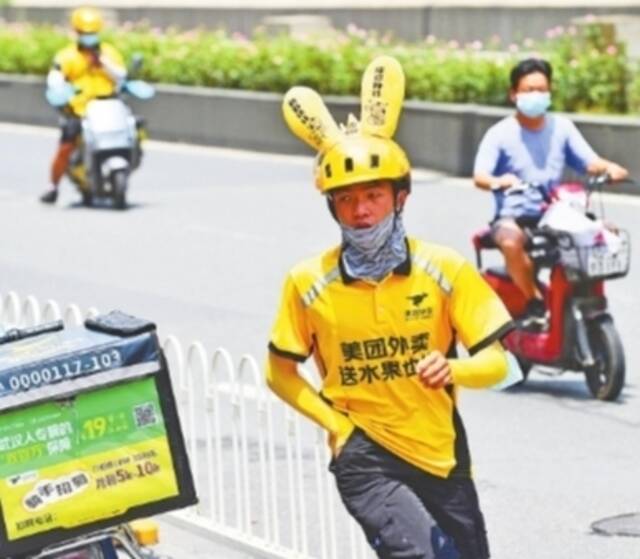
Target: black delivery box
[(89, 432)]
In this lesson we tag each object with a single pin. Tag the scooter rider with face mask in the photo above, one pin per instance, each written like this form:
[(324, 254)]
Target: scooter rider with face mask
[(533, 147), (94, 69), (381, 314)]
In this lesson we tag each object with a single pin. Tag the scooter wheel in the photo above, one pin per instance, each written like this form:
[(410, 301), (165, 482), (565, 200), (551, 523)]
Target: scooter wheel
[(606, 378), (119, 180)]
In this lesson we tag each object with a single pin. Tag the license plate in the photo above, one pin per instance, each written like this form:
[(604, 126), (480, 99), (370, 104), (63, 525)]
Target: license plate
[(601, 262)]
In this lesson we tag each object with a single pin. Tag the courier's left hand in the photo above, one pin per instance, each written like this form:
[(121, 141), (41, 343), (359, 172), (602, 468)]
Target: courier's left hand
[(434, 371)]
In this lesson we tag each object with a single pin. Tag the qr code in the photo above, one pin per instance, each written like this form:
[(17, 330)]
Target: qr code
[(145, 415)]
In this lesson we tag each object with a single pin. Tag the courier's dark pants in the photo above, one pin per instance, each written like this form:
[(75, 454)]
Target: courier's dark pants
[(400, 507)]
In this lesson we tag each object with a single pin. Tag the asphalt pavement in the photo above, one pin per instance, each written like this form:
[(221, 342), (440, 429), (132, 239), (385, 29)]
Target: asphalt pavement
[(203, 251)]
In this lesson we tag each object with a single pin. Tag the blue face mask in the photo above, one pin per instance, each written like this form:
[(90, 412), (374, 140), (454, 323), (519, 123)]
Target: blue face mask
[(534, 103), (88, 40)]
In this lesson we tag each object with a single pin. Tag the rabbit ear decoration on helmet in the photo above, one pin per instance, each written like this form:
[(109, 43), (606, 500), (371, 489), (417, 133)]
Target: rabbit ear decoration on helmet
[(381, 97), (309, 119), (358, 152)]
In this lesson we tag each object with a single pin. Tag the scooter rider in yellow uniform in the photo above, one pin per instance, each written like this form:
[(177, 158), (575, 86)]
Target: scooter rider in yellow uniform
[(381, 314), (94, 69)]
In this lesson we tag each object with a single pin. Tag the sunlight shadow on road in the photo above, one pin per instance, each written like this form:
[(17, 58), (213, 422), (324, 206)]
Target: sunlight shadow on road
[(106, 205)]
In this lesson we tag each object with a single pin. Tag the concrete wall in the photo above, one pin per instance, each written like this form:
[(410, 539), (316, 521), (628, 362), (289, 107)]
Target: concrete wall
[(509, 23), (438, 136), (412, 23), (22, 100)]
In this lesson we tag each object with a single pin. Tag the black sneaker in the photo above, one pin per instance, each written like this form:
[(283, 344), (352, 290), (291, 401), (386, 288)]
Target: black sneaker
[(535, 315), (50, 196)]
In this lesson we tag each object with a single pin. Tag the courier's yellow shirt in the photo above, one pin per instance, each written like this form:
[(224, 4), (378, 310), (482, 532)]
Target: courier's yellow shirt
[(367, 338), (90, 80)]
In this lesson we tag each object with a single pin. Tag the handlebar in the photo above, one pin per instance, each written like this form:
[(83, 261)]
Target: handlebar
[(598, 181), (602, 179), (523, 186), (591, 182)]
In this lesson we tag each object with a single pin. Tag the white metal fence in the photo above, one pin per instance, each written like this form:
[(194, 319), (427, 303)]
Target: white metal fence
[(260, 468)]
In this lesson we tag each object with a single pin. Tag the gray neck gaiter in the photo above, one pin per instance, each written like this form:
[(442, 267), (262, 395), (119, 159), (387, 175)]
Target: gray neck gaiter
[(373, 252)]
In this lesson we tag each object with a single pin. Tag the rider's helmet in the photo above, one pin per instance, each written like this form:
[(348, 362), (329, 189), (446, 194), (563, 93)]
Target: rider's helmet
[(358, 159), (360, 151), (87, 20)]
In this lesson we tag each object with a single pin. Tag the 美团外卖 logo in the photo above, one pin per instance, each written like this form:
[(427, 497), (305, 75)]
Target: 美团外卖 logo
[(416, 310)]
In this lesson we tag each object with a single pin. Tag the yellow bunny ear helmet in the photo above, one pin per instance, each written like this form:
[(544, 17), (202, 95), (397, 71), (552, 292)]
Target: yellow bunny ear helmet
[(360, 151)]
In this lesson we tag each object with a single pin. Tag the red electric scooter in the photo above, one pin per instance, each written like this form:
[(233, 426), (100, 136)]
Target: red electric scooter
[(574, 253)]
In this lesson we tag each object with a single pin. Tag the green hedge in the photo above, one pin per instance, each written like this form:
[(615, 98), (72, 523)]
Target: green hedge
[(590, 73)]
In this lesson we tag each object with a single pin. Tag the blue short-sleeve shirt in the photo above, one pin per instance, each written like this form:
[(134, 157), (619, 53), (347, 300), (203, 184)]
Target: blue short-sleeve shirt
[(534, 156)]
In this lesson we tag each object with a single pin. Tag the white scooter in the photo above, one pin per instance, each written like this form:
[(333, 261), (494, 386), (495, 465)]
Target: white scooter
[(109, 148)]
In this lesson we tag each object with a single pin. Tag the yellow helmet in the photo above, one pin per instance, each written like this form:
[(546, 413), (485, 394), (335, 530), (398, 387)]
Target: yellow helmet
[(360, 159), (360, 151), (87, 20)]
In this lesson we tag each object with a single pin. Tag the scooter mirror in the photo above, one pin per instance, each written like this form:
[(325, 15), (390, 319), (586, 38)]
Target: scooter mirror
[(136, 62)]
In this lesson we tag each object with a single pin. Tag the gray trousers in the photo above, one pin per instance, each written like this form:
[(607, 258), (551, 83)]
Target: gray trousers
[(405, 512)]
